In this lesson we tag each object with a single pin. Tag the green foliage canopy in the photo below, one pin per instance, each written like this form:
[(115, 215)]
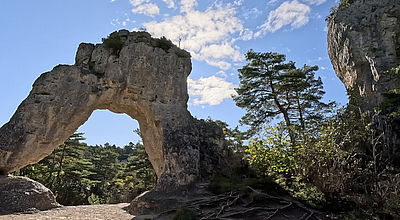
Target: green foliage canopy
[(272, 88), (81, 174)]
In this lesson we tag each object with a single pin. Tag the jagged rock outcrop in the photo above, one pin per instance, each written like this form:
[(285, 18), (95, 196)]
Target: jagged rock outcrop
[(364, 45), (364, 48), (142, 77), (21, 194)]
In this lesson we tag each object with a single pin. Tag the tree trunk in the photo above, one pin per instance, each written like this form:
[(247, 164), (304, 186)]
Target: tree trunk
[(303, 126), (285, 115)]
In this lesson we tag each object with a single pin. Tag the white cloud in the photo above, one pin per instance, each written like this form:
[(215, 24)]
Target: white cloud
[(220, 51), (211, 90), (114, 22), (246, 34), (188, 5), (220, 64), (222, 73), (315, 2), (170, 3), (236, 2), (149, 9), (252, 13), (206, 34), (144, 7), (271, 2), (290, 13), (138, 2)]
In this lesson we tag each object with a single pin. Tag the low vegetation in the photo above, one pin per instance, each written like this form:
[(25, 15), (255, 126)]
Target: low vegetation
[(185, 214), (332, 159), (81, 174), (391, 100), (164, 43), (114, 42), (341, 5)]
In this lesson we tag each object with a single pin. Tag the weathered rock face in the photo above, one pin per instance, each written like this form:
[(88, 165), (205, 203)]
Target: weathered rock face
[(20, 194), (363, 44), (144, 81)]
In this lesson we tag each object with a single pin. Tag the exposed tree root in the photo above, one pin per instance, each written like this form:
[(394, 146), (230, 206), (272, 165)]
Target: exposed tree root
[(252, 204)]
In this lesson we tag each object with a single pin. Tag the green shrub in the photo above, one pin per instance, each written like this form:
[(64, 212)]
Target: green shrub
[(114, 42), (240, 179), (391, 99), (185, 214), (340, 165), (334, 9), (346, 3), (164, 43)]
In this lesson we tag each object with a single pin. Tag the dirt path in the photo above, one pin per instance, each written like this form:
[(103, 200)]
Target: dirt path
[(84, 212)]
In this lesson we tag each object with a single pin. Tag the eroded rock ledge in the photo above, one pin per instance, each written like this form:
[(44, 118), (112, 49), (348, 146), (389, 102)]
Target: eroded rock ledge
[(143, 79)]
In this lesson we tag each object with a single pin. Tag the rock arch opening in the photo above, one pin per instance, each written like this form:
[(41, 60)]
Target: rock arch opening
[(81, 174), (104, 126), (143, 80)]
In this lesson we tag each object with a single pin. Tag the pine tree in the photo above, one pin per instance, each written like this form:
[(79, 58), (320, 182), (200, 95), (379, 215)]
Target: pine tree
[(139, 173), (271, 88)]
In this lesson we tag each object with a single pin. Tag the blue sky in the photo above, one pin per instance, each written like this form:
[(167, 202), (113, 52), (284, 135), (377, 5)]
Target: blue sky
[(38, 35)]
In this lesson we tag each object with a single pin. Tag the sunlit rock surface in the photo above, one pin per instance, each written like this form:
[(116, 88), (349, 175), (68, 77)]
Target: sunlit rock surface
[(145, 80), (364, 45)]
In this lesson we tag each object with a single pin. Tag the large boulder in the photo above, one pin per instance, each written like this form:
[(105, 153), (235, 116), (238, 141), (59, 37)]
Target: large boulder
[(21, 194)]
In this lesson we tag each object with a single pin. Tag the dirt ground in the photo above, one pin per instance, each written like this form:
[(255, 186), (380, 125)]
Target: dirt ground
[(84, 212)]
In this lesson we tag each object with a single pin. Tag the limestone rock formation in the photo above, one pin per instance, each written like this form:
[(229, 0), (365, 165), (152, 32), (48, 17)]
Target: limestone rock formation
[(21, 194), (364, 45), (140, 76)]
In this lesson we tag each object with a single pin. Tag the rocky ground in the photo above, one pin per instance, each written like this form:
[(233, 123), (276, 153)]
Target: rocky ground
[(84, 212), (248, 203)]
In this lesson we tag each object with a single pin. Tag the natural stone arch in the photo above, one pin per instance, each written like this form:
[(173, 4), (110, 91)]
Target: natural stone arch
[(142, 80)]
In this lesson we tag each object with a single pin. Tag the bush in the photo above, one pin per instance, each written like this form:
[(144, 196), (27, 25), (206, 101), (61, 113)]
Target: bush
[(114, 42), (164, 43), (391, 99), (185, 214), (341, 164), (240, 179), (346, 3), (334, 9)]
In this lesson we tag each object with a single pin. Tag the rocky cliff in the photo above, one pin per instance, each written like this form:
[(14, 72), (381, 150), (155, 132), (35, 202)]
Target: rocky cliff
[(364, 46), (129, 73)]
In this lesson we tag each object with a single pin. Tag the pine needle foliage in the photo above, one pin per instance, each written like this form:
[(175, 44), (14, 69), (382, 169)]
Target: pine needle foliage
[(271, 88)]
